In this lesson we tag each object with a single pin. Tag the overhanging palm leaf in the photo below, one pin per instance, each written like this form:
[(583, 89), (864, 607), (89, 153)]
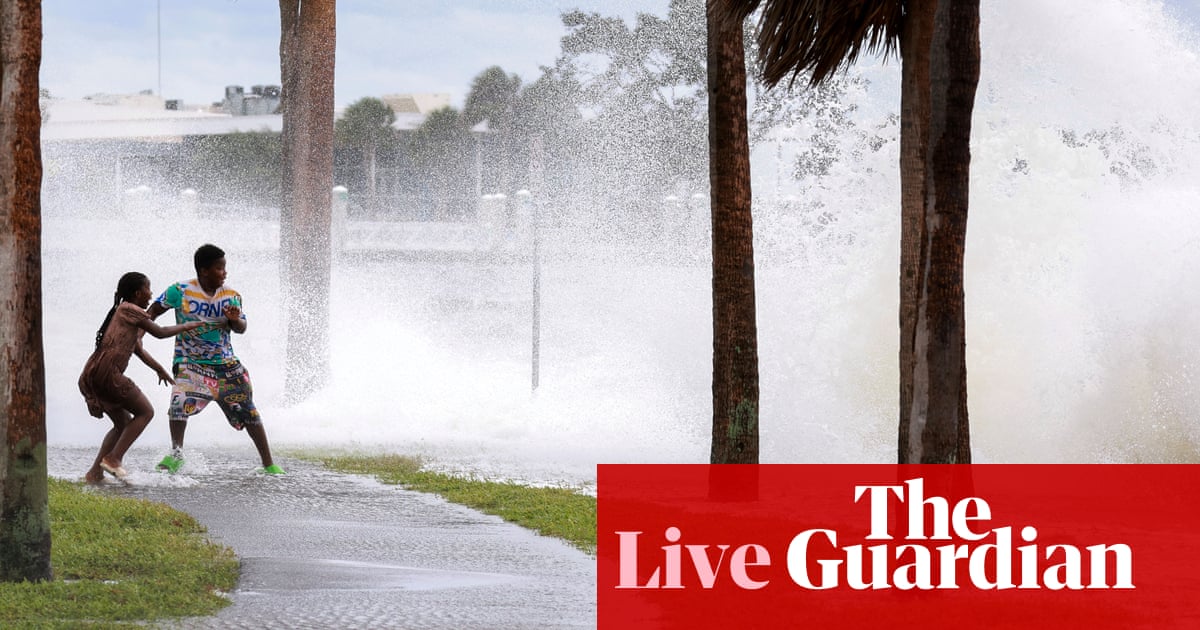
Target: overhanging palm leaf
[(817, 36)]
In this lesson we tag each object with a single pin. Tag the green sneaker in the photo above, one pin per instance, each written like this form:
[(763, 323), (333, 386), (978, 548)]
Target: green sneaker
[(171, 463), (273, 469)]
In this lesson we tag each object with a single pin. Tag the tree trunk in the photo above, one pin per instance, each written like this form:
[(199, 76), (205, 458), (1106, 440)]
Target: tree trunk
[(306, 57), (915, 42), (735, 343), (24, 507), (939, 432)]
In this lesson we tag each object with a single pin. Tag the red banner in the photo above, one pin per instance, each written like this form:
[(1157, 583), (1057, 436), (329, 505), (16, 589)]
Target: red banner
[(879, 546)]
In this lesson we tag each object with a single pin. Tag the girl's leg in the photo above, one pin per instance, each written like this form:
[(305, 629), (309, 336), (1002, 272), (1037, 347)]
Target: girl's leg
[(120, 418), (142, 412)]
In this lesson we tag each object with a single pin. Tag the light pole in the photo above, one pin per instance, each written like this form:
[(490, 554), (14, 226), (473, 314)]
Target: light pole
[(535, 358), (158, 14)]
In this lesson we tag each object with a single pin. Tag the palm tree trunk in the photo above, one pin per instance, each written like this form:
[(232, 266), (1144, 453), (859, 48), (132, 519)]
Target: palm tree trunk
[(940, 430), (915, 41), (24, 507), (735, 343), (306, 54)]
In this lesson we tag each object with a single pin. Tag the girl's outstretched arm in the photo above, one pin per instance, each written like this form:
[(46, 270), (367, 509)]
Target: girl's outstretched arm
[(163, 332), (164, 376)]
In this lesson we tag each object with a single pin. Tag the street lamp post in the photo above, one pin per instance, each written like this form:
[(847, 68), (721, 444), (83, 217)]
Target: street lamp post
[(531, 208), (158, 26)]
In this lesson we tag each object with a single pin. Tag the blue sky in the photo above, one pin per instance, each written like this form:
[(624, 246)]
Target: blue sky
[(384, 46)]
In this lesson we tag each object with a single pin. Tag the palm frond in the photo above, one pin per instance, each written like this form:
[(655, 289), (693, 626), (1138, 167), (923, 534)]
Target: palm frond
[(818, 37)]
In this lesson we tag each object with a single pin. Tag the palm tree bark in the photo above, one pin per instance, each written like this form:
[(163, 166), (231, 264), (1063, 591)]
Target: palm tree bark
[(306, 57), (24, 507), (939, 430), (735, 336), (916, 38), (939, 51)]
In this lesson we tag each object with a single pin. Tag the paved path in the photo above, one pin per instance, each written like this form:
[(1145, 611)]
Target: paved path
[(328, 550)]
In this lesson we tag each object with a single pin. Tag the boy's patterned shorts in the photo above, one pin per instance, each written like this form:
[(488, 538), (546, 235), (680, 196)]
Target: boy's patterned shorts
[(229, 385)]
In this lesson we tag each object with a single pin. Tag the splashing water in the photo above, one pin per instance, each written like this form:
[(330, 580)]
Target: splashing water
[(1081, 221), (1080, 313)]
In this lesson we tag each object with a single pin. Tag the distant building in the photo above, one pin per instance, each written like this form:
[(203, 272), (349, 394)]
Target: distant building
[(262, 100), (415, 103), (107, 144), (104, 145)]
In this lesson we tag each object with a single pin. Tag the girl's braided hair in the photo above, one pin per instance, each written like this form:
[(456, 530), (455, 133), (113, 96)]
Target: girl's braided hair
[(126, 287)]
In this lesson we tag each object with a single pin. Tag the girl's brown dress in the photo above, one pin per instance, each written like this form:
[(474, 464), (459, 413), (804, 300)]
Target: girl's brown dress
[(103, 383)]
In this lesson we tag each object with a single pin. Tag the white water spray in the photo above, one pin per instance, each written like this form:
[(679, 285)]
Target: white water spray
[(1081, 311)]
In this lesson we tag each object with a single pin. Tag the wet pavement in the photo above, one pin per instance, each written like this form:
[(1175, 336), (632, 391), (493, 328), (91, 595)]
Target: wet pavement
[(327, 550)]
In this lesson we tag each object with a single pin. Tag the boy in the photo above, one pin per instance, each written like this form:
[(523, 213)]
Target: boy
[(205, 366)]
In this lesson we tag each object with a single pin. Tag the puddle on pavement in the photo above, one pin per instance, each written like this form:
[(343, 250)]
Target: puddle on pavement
[(270, 574)]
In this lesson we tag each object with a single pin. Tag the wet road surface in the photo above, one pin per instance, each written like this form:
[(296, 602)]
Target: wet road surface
[(327, 550)]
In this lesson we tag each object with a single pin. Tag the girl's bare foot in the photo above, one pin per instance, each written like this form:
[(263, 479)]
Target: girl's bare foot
[(114, 468), (94, 477)]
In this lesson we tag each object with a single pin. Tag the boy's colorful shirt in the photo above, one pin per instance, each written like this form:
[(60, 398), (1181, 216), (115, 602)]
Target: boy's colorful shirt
[(205, 345)]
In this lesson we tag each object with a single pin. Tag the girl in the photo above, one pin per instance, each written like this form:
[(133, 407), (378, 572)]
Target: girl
[(103, 383)]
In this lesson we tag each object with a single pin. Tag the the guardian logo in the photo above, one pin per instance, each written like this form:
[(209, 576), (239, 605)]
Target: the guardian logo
[(958, 549)]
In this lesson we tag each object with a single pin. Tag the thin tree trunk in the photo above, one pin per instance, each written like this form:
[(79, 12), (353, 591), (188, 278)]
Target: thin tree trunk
[(735, 337), (940, 429), (915, 42), (306, 55), (24, 507)]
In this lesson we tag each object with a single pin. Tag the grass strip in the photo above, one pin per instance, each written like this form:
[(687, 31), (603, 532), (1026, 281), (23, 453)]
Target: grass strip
[(558, 512), (119, 562)]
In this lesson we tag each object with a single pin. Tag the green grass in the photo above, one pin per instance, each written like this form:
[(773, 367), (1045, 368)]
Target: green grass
[(117, 562), (557, 512)]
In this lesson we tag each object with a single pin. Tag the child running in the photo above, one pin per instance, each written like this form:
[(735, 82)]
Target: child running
[(103, 383), (205, 365)]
